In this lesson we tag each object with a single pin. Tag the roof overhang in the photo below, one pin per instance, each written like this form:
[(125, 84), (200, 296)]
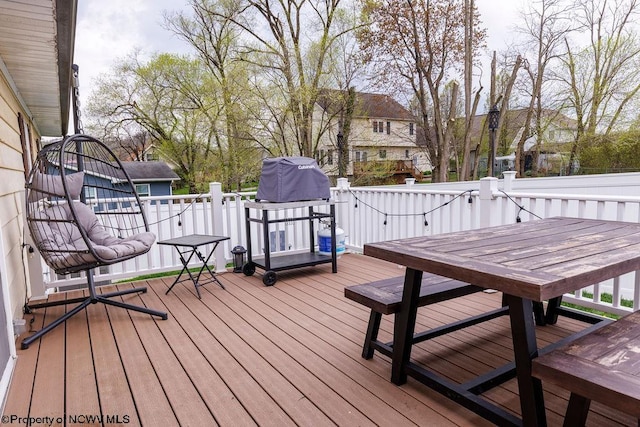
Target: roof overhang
[(36, 54)]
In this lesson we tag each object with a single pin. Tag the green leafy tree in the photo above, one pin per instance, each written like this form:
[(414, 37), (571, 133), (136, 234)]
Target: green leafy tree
[(613, 152), (172, 98), (602, 80), (216, 40)]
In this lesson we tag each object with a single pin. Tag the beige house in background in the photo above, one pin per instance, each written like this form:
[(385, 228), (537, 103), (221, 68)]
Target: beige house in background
[(36, 54), (382, 130)]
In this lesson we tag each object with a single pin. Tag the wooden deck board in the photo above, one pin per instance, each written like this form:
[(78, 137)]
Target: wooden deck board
[(176, 383), (276, 356), (336, 374), (214, 392), (81, 391), (48, 386), (149, 395), (113, 387), (206, 335), (273, 368)]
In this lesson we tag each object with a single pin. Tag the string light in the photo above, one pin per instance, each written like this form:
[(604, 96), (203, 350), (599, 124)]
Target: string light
[(179, 213), (424, 214), (521, 208)]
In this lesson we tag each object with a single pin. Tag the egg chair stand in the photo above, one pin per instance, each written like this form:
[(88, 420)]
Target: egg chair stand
[(93, 298), (83, 213)]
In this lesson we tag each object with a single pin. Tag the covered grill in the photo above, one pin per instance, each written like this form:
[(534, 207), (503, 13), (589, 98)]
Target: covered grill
[(292, 179)]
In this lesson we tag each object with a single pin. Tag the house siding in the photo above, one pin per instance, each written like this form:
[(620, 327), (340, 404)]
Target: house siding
[(12, 185), (363, 139)]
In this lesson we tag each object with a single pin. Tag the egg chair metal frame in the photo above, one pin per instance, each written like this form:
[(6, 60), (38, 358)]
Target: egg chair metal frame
[(83, 213)]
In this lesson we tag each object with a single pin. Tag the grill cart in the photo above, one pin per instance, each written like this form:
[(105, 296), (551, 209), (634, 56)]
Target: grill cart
[(272, 264)]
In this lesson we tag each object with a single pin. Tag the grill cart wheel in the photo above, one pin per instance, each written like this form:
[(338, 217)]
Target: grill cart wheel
[(270, 277), (248, 269)]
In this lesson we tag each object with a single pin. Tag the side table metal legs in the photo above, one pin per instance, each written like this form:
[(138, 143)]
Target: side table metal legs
[(195, 278)]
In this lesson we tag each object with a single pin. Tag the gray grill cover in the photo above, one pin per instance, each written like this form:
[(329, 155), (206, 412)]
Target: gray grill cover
[(292, 179)]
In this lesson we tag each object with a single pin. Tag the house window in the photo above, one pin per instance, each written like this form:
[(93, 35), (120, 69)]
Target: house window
[(382, 154), (388, 128), (410, 128), (375, 126), (361, 156), (406, 154), (143, 190), (330, 157), (323, 158), (89, 193), (152, 157), (378, 127)]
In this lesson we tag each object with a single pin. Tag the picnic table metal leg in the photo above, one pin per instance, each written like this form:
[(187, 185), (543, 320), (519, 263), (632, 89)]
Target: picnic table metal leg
[(525, 349), (403, 328)]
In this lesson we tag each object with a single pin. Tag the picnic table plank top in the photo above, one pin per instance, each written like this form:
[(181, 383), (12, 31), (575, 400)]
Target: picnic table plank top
[(538, 260)]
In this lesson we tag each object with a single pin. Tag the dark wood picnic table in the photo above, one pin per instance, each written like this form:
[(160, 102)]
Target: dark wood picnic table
[(529, 262)]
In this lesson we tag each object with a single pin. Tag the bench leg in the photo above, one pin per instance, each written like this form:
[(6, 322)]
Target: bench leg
[(552, 310), (372, 334), (538, 313), (577, 411)]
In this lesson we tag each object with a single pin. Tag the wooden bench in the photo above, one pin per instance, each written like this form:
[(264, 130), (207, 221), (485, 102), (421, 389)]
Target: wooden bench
[(385, 296), (603, 365)]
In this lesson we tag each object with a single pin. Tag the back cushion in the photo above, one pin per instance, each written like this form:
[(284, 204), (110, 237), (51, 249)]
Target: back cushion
[(44, 185)]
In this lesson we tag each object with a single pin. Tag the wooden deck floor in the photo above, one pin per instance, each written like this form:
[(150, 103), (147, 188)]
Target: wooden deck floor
[(255, 355)]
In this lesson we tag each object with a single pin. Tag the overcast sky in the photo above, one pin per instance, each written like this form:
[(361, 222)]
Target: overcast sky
[(110, 30)]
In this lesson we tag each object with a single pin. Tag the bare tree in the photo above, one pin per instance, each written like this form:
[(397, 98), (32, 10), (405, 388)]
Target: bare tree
[(421, 43), (470, 102), (290, 42), (603, 79), (545, 26)]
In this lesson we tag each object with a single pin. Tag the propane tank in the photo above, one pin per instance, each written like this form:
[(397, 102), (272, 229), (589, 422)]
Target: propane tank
[(324, 241)]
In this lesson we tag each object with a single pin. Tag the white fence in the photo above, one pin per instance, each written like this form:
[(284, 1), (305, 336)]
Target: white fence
[(369, 214)]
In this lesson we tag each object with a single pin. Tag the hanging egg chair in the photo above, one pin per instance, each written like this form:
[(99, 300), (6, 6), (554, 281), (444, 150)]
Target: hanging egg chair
[(83, 213)]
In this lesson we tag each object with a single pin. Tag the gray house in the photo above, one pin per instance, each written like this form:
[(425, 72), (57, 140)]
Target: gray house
[(151, 178)]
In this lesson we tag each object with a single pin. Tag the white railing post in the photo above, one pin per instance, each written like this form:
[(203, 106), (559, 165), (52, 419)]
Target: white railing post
[(488, 210), (342, 206), (509, 178), (217, 225)]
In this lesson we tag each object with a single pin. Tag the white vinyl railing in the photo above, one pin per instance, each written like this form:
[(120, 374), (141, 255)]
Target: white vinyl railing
[(368, 214)]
